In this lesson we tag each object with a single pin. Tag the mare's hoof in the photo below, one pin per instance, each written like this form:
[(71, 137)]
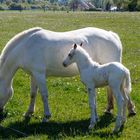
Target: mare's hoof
[(108, 112), (3, 115), (131, 114)]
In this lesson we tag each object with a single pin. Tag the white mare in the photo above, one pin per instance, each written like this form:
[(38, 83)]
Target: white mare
[(40, 53), (94, 75)]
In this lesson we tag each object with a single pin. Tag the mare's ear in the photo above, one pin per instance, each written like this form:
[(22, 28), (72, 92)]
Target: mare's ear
[(75, 46), (81, 44)]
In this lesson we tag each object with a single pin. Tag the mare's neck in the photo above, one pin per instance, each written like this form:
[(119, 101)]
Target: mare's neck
[(7, 72)]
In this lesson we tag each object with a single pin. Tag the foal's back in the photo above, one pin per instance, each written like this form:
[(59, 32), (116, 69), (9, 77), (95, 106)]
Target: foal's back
[(105, 74)]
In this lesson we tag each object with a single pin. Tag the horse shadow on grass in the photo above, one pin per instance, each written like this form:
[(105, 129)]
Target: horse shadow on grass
[(55, 130)]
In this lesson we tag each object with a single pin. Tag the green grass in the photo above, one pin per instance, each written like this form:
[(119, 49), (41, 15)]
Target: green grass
[(67, 96)]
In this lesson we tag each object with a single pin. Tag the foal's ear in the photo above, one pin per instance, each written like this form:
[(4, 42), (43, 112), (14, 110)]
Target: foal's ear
[(75, 46), (81, 44)]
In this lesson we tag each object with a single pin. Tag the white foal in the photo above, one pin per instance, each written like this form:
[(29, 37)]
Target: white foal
[(94, 75)]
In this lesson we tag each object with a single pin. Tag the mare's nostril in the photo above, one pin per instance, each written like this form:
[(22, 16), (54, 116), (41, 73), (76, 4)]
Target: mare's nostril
[(64, 64)]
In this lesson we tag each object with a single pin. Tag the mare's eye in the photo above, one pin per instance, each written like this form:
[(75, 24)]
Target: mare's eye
[(70, 55)]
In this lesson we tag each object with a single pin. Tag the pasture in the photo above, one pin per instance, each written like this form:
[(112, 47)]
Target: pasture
[(67, 96)]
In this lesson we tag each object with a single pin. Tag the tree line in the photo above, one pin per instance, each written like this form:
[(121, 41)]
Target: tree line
[(103, 5)]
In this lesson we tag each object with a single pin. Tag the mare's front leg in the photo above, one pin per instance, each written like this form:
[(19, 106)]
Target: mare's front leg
[(33, 93), (92, 105), (40, 78)]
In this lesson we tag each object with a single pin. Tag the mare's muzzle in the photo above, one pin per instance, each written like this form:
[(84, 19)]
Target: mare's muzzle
[(65, 65)]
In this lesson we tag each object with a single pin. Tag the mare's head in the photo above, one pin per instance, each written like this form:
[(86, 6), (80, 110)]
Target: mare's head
[(71, 57)]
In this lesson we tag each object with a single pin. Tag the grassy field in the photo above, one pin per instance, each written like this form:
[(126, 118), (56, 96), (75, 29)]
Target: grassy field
[(67, 96)]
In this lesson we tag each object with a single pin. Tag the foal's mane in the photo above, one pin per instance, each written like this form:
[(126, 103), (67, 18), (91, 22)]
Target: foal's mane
[(14, 41)]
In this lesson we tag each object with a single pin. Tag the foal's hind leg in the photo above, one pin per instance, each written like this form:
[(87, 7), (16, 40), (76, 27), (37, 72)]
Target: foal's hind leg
[(120, 103), (116, 88), (33, 93), (124, 104)]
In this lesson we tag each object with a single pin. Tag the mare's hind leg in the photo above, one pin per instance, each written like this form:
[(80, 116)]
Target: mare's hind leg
[(110, 103), (110, 100), (33, 93), (131, 107)]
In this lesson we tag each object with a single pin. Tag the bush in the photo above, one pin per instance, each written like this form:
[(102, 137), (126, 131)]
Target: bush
[(94, 9), (138, 6), (132, 5), (1, 8), (36, 7), (15, 6)]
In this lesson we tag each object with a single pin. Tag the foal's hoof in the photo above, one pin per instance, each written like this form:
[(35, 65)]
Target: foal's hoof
[(91, 126), (28, 114), (46, 118), (117, 130)]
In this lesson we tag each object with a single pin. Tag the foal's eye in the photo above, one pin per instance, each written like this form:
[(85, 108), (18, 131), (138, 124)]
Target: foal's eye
[(70, 55)]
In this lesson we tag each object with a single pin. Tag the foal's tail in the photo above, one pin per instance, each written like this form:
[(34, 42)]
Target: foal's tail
[(127, 82)]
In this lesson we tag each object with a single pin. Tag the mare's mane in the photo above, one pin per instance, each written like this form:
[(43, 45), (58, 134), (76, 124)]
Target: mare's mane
[(14, 41)]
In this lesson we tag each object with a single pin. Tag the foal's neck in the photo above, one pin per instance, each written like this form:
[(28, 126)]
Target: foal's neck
[(84, 61)]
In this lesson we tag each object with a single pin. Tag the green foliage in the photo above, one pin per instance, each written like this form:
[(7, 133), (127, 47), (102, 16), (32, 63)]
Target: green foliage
[(132, 5), (15, 6), (1, 8), (67, 96), (138, 6)]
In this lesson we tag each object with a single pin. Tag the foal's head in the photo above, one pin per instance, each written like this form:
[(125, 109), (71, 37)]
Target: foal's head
[(71, 56)]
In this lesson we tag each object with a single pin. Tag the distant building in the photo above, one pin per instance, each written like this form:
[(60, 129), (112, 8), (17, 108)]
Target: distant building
[(113, 8)]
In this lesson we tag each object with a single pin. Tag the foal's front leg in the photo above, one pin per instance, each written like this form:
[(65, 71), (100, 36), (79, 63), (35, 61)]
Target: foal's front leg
[(33, 93), (92, 105)]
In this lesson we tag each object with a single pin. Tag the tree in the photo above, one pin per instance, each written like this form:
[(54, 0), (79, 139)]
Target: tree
[(1, 1), (132, 5), (74, 4), (15, 6)]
